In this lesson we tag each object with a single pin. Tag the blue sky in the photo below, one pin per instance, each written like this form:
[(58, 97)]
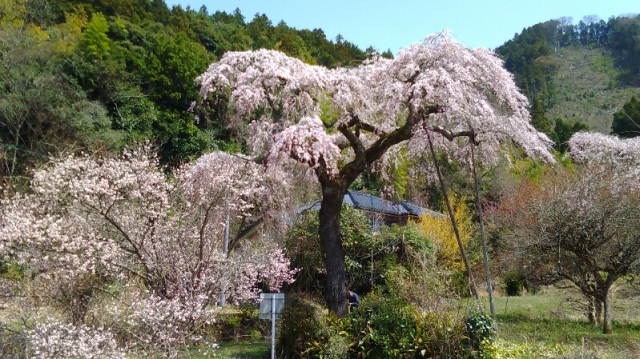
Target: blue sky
[(395, 24)]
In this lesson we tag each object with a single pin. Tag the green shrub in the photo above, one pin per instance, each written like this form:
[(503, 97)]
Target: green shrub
[(11, 271), (13, 344), (384, 327), (514, 283), (332, 339), (441, 334), (481, 330), (241, 325), (299, 327)]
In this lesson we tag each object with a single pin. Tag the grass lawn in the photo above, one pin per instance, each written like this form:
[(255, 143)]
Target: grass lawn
[(548, 326), (241, 350), (245, 350)]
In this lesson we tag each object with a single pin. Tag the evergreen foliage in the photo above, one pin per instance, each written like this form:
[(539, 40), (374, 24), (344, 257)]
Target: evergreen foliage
[(626, 122), (538, 55), (97, 75)]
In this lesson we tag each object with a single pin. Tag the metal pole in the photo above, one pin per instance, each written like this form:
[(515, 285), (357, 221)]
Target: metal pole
[(225, 250), (226, 235), (273, 327)]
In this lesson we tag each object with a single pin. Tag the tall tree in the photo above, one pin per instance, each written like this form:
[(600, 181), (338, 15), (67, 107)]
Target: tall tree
[(563, 131), (539, 118), (584, 228), (626, 122), (344, 121)]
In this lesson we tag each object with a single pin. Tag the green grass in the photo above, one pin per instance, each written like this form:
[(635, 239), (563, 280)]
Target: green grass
[(244, 350), (548, 326)]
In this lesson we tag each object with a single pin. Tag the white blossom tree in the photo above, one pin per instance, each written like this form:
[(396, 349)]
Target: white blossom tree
[(582, 227), (596, 149), (343, 121), (124, 219)]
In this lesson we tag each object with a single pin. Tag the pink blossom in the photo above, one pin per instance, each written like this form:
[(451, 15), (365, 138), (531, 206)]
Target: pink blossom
[(124, 219), (470, 87)]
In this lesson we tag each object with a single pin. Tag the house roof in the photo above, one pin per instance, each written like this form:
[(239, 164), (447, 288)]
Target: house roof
[(367, 202)]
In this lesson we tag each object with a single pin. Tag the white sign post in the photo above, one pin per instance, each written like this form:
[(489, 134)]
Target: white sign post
[(271, 307)]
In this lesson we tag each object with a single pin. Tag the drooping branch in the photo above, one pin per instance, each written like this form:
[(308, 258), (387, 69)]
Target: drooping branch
[(353, 169)]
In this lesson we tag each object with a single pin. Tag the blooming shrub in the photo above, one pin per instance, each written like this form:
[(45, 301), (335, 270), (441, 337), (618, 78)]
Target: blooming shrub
[(50, 340), (91, 224)]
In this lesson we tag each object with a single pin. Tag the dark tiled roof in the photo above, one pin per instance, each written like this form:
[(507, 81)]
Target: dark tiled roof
[(367, 202), (416, 210)]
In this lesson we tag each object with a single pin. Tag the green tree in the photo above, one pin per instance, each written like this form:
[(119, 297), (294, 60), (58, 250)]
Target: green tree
[(173, 63), (41, 112), (626, 122), (539, 118), (562, 132), (95, 43)]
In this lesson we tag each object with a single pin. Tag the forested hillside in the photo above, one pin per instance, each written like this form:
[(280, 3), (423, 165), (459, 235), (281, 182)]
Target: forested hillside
[(581, 72), (97, 75)]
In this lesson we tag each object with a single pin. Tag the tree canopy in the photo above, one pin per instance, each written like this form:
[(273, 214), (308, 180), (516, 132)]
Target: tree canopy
[(99, 75), (340, 122), (626, 122)]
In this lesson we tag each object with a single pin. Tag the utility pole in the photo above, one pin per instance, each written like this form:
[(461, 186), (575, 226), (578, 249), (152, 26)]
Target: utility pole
[(225, 250)]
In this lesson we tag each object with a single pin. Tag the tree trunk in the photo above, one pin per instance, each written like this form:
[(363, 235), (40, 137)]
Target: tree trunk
[(598, 310), (606, 309), (591, 310), (333, 252)]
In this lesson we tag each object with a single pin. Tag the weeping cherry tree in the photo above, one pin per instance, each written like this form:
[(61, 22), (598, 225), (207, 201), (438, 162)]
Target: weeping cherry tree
[(341, 122)]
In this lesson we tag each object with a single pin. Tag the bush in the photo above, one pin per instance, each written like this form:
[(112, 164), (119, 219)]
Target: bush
[(298, 328), (514, 283), (384, 328), (481, 331), (13, 344), (11, 271), (244, 324)]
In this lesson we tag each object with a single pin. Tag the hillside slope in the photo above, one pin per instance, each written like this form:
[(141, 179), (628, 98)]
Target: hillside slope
[(580, 73), (587, 87)]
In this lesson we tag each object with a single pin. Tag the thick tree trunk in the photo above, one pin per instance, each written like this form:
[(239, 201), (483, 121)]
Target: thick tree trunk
[(333, 252)]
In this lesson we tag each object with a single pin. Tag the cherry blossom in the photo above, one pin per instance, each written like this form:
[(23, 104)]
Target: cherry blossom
[(52, 339), (123, 219), (341, 122), (596, 147)]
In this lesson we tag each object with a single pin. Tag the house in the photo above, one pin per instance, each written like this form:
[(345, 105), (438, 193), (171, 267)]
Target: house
[(379, 211)]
